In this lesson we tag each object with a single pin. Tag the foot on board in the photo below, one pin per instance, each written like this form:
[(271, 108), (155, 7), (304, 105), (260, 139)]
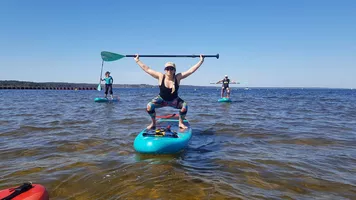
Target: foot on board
[(182, 126), (151, 126)]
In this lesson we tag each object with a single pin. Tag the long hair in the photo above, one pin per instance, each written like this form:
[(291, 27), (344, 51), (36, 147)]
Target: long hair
[(174, 82)]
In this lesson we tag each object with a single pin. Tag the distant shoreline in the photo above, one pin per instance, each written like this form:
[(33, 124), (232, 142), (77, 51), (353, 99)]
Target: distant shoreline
[(13, 84), (9, 84)]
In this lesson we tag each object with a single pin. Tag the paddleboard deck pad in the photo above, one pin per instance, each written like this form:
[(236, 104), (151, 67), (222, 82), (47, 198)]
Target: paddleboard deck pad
[(166, 138), (161, 132)]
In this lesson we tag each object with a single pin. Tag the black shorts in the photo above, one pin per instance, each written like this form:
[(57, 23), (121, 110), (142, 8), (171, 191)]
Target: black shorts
[(108, 88), (224, 88)]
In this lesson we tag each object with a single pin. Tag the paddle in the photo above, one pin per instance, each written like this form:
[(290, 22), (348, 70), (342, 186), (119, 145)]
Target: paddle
[(109, 56), (101, 75), (229, 83)]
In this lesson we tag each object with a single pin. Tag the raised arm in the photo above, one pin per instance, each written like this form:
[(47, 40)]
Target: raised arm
[(191, 70), (219, 82), (145, 68)]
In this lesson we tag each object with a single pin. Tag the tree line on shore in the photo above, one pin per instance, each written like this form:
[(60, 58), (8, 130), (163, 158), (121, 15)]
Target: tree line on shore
[(12, 84)]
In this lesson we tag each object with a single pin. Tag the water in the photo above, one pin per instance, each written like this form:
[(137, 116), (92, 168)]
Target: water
[(266, 144)]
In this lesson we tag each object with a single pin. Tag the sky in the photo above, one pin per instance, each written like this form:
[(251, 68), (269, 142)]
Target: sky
[(276, 43)]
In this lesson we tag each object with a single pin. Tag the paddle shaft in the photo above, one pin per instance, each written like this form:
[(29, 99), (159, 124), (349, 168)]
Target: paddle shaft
[(101, 72), (229, 83), (101, 76), (168, 56)]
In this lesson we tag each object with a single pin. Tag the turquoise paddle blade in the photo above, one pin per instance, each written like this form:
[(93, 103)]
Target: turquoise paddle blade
[(99, 87), (108, 56)]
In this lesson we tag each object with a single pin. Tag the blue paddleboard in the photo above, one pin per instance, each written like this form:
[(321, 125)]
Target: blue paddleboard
[(167, 138), (105, 100), (224, 99)]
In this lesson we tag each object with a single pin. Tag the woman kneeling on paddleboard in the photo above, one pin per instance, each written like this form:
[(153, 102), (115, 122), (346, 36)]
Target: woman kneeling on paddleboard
[(168, 86)]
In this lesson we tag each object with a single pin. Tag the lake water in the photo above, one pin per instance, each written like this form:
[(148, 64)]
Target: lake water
[(265, 144)]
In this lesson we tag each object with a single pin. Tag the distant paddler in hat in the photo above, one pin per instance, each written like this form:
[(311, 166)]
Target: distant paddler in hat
[(225, 86)]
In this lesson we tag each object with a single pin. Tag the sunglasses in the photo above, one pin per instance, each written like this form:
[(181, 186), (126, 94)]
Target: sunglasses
[(169, 68)]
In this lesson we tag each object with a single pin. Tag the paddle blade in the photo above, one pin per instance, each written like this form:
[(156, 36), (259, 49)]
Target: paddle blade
[(99, 87), (108, 56)]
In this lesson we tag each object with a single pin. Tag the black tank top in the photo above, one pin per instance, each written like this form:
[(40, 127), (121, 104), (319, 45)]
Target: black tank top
[(166, 93), (226, 82)]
